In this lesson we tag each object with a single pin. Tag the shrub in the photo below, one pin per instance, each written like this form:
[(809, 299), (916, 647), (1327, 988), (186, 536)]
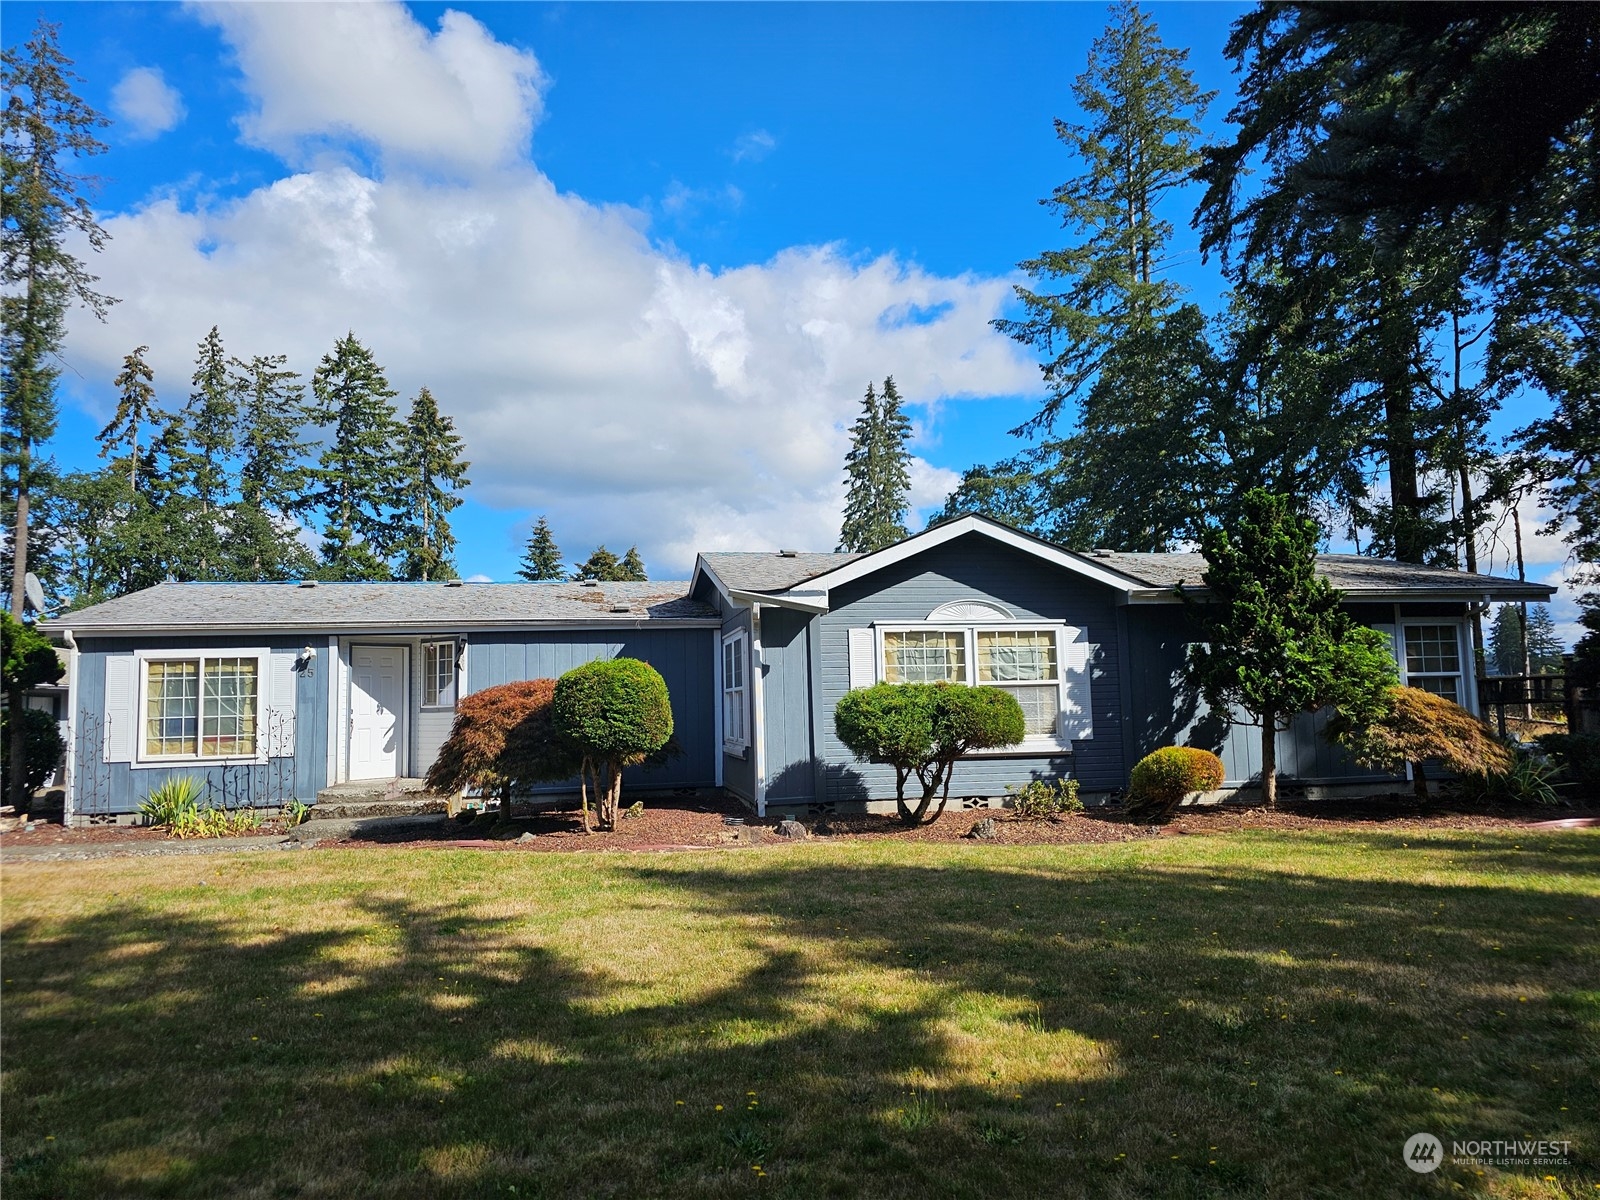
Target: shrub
[(611, 713), (503, 740), (1530, 780), (42, 746), (1417, 725), (1160, 780), (1578, 756), (1038, 800), (923, 729), (172, 802)]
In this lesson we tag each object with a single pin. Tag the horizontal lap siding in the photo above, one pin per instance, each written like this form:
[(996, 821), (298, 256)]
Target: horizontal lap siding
[(100, 787), (1166, 713), (683, 656), (971, 568)]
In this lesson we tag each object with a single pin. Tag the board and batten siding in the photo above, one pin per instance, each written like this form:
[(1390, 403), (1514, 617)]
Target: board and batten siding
[(1165, 711), (786, 706), (101, 788), (972, 567), (738, 769), (683, 656)]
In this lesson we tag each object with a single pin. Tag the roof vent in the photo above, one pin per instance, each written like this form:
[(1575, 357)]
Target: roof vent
[(452, 583), (1100, 552), (620, 608), (589, 583), (788, 554), (308, 583)]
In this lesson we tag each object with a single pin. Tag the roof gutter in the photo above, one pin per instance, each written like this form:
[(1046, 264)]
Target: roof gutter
[(390, 627), (1480, 595), (70, 771)]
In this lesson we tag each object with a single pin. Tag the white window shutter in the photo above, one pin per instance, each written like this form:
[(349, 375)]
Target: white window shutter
[(121, 717), (279, 712), (1077, 710), (863, 659)]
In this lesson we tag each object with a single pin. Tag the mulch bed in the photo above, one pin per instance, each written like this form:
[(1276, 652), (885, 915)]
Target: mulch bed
[(671, 824)]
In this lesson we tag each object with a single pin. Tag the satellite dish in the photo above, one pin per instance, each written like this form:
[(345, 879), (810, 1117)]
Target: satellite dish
[(32, 592)]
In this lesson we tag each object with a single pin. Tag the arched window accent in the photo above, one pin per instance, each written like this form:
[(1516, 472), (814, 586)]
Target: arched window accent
[(970, 610)]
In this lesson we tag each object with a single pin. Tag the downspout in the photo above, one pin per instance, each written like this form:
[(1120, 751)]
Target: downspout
[(758, 732), (70, 780)]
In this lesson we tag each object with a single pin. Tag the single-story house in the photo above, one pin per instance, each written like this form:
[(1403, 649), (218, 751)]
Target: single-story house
[(277, 691)]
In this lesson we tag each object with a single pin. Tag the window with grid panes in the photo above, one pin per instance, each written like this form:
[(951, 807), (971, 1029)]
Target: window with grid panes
[(1433, 660), (201, 707)]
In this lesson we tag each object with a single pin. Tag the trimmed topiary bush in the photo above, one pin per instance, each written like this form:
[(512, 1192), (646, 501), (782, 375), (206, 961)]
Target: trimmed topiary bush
[(922, 729), (1161, 779), (612, 713), (1417, 725), (503, 741)]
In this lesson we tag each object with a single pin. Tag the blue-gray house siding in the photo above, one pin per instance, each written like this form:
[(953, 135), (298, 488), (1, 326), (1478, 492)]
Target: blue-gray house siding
[(102, 789)]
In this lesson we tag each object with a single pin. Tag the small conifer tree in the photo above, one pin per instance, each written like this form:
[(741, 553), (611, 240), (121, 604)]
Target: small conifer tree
[(541, 560)]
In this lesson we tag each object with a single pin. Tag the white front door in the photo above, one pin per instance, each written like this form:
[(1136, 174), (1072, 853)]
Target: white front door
[(377, 710)]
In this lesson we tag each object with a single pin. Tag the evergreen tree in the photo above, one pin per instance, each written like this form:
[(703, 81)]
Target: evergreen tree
[(541, 560), (1119, 343), (434, 473), (1544, 644), (43, 127), (136, 412), (1505, 641), (264, 540), (602, 565), (877, 474), (204, 470), (358, 481), (1273, 641), (631, 568)]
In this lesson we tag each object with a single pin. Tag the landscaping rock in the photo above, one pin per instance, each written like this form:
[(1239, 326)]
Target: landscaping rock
[(792, 830), (985, 829)]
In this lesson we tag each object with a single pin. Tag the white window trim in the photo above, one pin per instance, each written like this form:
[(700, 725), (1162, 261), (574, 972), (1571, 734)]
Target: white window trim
[(455, 650), (739, 640), (1033, 743), (143, 759), (1466, 681)]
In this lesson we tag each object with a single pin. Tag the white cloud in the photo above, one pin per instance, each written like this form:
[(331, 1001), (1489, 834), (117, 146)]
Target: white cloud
[(629, 394), (367, 71), (146, 104), (753, 146)]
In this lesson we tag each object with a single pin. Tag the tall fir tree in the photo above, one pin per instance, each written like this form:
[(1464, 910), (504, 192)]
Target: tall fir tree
[(1506, 645), (877, 473), (124, 437), (358, 480), (206, 469), (1544, 643), (265, 536), (127, 543), (541, 558), (44, 127), (601, 565), (631, 568), (435, 473), (1122, 352)]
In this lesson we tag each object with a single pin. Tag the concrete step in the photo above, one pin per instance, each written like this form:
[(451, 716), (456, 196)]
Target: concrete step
[(364, 798)]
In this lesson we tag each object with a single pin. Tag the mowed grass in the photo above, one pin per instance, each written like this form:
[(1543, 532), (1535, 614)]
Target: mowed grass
[(1252, 1015)]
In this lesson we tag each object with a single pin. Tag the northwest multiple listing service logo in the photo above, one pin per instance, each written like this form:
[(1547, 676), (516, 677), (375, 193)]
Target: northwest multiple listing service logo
[(1423, 1152)]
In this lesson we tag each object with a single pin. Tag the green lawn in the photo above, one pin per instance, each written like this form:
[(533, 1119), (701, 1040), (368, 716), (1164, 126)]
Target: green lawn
[(1251, 1015)]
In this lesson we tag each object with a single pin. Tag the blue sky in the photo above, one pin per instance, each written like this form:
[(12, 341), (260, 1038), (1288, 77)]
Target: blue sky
[(647, 255)]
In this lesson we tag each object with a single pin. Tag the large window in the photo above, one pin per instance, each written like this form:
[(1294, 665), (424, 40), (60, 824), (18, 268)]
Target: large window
[(1433, 660), (735, 692), (202, 707), (1024, 660), (439, 674)]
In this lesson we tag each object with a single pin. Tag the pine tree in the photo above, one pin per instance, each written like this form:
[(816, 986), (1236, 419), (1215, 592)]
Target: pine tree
[(877, 474), (541, 560), (206, 469), (602, 565), (264, 539), (434, 473), (44, 125), (631, 568), (357, 482), (1118, 342), (127, 540), (1544, 644), (1273, 640)]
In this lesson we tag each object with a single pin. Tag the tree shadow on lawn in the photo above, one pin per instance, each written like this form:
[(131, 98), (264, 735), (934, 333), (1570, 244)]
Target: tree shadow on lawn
[(991, 1027)]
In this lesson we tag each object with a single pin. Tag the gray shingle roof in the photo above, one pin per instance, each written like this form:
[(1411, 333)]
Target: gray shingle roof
[(197, 606), (771, 571), (1351, 573)]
